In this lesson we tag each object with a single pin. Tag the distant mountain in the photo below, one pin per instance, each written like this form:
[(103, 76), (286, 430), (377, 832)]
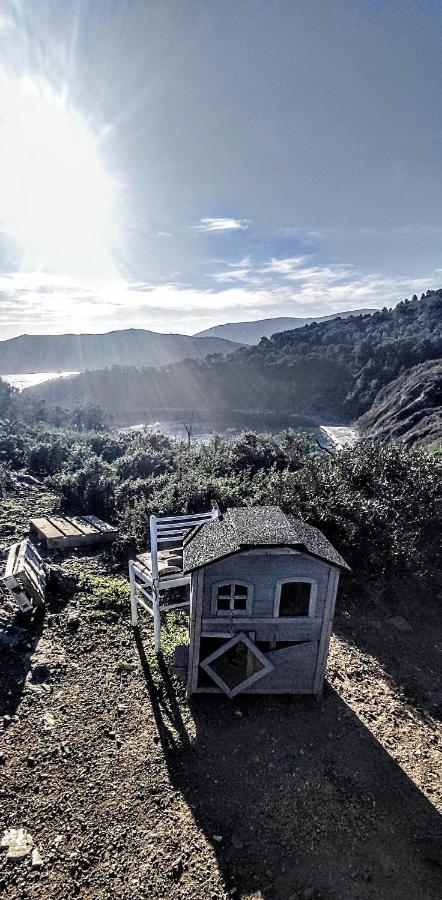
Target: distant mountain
[(328, 371), (252, 332), (409, 409), (78, 352)]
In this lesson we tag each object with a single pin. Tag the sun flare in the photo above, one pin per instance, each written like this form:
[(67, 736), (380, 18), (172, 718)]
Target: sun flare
[(56, 200)]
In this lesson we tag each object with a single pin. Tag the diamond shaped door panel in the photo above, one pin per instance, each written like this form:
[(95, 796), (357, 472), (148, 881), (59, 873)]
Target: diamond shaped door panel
[(236, 665)]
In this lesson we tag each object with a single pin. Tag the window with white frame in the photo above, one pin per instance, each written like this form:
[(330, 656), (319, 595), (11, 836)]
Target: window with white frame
[(295, 597), (232, 598)]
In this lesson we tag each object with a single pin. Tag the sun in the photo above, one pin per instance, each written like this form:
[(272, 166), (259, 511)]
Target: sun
[(56, 200)]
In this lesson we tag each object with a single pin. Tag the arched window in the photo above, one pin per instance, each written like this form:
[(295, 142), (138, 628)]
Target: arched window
[(232, 598), (295, 597)]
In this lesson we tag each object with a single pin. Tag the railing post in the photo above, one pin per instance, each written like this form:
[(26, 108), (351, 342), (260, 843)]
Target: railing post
[(156, 617), (133, 594), (216, 512), (154, 547)]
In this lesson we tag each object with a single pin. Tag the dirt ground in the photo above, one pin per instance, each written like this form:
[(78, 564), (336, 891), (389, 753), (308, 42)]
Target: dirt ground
[(129, 791)]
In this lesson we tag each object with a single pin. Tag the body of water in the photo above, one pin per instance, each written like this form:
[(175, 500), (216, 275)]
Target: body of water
[(29, 379), (203, 432)]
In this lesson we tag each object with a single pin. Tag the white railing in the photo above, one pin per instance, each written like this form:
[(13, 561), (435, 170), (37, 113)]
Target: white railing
[(147, 582)]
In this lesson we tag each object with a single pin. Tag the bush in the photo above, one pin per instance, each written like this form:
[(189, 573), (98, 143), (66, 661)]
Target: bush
[(141, 463), (106, 446), (12, 446), (379, 506), (7, 394), (90, 490), (47, 458)]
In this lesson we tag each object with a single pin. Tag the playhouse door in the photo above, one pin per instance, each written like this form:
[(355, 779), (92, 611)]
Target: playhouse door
[(237, 665), (293, 670)]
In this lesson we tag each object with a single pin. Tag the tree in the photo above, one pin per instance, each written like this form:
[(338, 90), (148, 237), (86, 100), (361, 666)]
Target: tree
[(89, 418), (7, 394), (189, 428)]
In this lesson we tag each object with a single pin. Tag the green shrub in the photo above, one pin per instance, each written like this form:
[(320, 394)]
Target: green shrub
[(109, 594), (379, 505), (141, 463), (106, 446), (47, 458), (12, 446), (89, 490)]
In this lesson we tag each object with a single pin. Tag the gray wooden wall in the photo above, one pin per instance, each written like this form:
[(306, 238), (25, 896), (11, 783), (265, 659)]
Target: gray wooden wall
[(263, 572), (299, 668)]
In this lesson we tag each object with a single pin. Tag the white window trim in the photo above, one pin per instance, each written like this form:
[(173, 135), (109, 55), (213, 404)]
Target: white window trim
[(313, 596), (232, 612)]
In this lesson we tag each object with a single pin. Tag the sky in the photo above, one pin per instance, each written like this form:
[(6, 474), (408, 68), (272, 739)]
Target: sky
[(175, 164)]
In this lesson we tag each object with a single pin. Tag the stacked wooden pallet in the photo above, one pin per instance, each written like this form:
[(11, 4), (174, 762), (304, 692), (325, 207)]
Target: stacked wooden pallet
[(60, 532), (24, 575)]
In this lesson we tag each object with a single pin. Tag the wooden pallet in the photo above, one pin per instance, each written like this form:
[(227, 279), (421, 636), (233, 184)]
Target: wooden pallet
[(24, 575), (59, 532)]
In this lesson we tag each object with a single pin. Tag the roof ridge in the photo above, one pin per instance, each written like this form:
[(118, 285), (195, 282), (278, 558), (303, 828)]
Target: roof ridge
[(243, 527)]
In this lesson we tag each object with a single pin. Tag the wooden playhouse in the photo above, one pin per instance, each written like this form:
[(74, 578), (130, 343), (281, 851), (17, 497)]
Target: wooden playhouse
[(262, 596)]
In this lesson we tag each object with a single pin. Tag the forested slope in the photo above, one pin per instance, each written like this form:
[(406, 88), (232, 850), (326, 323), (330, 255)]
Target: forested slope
[(331, 369), (252, 332)]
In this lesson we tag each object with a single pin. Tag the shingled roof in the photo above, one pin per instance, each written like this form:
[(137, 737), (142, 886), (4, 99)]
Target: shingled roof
[(259, 526)]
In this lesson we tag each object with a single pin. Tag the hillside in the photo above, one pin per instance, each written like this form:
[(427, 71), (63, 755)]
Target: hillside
[(122, 783), (130, 394), (252, 332), (77, 352), (330, 370), (408, 409)]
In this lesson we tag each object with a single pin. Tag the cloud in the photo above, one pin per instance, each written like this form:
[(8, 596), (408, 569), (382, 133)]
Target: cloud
[(295, 269), (245, 262), (327, 295), (284, 266), (187, 299), (241, 271), (208, 224), (34, 303), (235, 275), (321, 274), (305, 234), (38, 303)]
